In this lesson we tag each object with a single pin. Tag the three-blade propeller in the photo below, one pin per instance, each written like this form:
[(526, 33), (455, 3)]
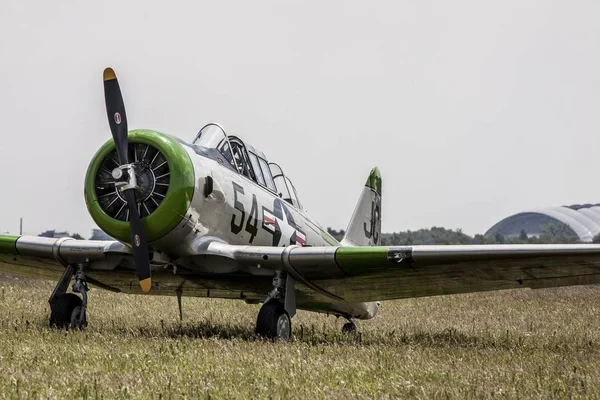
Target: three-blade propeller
[(125, 176)]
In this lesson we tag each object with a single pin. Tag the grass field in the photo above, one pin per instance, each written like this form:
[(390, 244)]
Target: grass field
[(510, 344)]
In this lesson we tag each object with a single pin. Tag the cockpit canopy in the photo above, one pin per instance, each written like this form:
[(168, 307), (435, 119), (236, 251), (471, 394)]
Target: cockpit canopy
[(248, 161)]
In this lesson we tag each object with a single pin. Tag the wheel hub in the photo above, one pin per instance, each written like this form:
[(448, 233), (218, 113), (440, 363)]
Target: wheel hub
[(283, 327)]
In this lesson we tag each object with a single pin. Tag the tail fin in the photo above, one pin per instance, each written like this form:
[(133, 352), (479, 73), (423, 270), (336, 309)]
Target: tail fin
[(365, 225)]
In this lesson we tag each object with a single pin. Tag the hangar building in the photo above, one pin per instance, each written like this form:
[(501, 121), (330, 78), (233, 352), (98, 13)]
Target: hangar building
[(583, 219)]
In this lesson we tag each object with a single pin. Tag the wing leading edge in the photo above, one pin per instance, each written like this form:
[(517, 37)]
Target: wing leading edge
[(40, 257), (382, 273)]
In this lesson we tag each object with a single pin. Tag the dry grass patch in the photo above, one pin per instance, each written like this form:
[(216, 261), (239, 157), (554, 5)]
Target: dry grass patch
[(513, 344)]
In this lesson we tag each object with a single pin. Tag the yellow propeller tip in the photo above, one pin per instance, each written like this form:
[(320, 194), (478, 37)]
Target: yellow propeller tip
[(109, 74), (145, 284)]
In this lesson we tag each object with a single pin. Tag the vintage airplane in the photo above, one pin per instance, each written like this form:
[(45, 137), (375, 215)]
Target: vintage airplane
[(215, 218)]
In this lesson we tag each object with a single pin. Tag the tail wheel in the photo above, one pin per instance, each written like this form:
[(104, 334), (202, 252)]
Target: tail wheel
[(349, 328), (65, 311), (274, 322)]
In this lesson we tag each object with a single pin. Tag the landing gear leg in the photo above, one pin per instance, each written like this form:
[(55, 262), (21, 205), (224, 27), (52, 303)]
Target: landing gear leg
[(275, 316), (80, 286), (349, 327), (63, 283), (68, 309)]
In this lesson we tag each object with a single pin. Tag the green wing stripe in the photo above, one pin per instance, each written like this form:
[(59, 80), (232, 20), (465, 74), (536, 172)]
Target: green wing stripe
[(371, 260), (362, 260), (8, 244)]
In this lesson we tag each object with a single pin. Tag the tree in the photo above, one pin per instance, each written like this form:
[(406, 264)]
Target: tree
[(98, 234), (523, 235), (479, 239), (557, 232), (56, 235), (338, 235), (434, 235)]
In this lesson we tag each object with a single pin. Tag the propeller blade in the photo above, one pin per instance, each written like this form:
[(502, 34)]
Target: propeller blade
[(138, 242), (115, 109), (117, 119)]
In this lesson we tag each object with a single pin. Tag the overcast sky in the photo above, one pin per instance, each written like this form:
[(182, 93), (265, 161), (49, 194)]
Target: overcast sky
[(472, 110)]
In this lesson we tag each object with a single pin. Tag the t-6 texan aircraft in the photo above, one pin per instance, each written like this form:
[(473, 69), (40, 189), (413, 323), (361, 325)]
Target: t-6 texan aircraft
[(215, 218)]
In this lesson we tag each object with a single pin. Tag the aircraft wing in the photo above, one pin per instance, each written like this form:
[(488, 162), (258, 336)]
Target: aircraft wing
[(40, 257), (380, 273), (349, 273)]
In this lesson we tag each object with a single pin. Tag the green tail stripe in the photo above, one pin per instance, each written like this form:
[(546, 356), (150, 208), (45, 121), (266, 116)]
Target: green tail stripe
[(374, 180), (8, 244)]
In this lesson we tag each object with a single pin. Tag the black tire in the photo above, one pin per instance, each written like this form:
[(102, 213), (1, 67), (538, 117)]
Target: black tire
[(273, 322), (65, 312), (349, 328)]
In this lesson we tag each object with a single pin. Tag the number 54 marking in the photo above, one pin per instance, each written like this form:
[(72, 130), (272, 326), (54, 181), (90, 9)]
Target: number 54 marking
[(251, 228)]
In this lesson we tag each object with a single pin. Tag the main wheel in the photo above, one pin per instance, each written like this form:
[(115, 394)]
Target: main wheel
[(65, 310), (273, 322)]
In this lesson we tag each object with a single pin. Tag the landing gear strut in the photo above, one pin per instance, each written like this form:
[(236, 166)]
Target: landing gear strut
[(67, 310), (275, 316)]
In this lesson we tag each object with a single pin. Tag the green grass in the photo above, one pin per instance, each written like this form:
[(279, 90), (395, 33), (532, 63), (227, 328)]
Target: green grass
[(510, 344)]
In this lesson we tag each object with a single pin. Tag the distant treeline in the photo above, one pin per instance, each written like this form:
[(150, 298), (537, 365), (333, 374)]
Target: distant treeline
[(97, 234), (554, 232), (551, 233)]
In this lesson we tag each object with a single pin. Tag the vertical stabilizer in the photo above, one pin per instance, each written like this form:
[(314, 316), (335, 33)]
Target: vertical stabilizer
[(364, 228)]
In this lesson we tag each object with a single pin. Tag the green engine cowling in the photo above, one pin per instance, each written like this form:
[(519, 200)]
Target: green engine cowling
[(165, 175)]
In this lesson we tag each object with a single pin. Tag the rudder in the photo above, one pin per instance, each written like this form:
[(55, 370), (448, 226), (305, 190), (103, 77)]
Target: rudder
[(364, 228)]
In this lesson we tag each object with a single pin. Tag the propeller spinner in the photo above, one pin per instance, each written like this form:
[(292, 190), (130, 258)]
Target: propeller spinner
[(125, 177)]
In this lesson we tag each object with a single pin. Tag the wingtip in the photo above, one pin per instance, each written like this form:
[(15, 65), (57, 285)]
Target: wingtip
[(109, 74), (146, 284)]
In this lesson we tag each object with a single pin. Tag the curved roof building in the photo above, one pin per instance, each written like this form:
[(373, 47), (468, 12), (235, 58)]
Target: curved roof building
[(583, 219)]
